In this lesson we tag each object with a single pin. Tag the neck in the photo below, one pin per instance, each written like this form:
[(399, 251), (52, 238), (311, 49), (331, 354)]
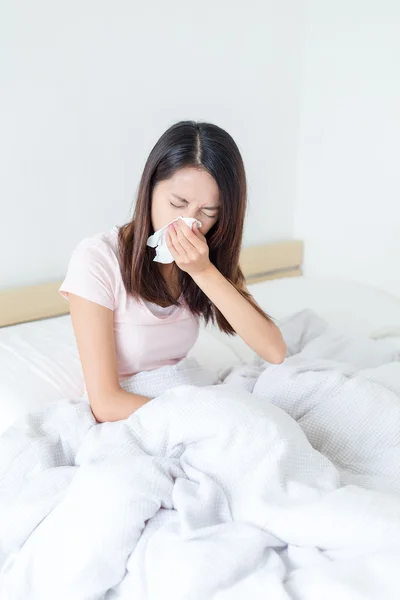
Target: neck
[(167, 271), (170, 274)]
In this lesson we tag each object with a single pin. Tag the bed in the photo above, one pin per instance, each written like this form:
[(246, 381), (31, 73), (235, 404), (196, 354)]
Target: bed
[(283, 482), (36, 336)]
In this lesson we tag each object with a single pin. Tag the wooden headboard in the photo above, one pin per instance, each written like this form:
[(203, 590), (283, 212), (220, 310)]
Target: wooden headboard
[(259, 263)]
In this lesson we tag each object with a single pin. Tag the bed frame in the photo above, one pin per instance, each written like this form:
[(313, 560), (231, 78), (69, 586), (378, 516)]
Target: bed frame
[(259, 263)]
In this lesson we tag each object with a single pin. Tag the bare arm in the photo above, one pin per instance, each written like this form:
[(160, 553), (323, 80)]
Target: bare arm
[(261, 334), (190, 251), (94, 333)]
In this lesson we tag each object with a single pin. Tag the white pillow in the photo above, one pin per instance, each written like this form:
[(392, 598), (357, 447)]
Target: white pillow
[(351, 307), (39, 362)]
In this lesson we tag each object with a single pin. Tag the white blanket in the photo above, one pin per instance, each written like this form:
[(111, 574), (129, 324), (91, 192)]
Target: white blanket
[(214, 492)]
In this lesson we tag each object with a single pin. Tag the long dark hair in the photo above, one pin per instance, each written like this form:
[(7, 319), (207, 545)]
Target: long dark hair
[(204, 146)]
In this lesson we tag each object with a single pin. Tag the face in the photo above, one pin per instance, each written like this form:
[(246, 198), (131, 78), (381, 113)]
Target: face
[(189, 192)]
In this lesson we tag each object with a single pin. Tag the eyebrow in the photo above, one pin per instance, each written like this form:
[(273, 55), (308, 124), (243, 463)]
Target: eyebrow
[(186, 202)]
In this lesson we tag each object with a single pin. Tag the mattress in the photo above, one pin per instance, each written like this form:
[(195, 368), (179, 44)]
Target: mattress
[(39, 361)]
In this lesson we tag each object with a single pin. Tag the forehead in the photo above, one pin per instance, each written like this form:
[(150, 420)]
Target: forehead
[(195, 185)]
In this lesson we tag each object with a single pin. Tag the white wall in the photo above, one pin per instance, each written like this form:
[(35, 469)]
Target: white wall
[(89, 86), (348, 207)]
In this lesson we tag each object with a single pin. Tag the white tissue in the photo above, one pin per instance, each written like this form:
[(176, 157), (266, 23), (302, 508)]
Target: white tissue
[(158, 241)]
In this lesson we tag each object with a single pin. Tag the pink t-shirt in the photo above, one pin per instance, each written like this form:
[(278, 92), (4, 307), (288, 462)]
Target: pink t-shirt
[(144, 339)]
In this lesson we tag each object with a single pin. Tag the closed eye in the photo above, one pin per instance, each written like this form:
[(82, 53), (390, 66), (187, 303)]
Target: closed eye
[(214, 216), (207, 214)]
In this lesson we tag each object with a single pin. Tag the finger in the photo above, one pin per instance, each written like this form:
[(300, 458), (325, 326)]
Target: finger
[(174, 238), (202, 241), (197, 232), (183, 240), (171, 246), (180, 243), (189, 235)]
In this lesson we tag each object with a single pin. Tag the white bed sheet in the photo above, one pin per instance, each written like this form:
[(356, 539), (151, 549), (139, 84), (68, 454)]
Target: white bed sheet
[(39, 361)]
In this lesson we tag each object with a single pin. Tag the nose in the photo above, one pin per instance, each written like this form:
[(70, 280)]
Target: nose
[(193, 212)]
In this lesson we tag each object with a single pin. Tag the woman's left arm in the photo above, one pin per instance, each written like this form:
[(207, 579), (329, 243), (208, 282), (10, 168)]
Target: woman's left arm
[(190, 251)]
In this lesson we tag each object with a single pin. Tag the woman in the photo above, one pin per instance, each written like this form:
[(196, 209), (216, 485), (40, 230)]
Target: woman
[(132, 314)]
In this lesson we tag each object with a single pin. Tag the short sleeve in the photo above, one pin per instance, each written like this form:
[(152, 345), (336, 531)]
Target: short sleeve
[(91, 274)]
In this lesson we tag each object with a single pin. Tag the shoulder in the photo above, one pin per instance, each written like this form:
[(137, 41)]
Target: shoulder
[(99, 248), (93, 270)]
